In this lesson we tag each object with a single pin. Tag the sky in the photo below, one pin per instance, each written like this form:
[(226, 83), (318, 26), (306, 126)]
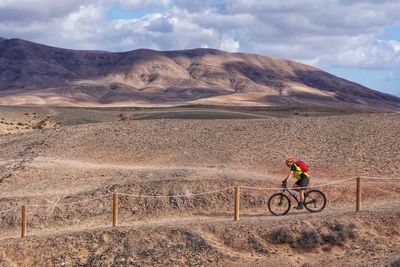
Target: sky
[(358, 40)]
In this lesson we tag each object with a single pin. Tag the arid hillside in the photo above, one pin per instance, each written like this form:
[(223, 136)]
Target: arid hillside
[(35, 74), (156, 159)]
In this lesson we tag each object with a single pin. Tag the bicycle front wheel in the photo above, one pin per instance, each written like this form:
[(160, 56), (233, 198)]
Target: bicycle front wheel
[(279, 204), (314, 200)]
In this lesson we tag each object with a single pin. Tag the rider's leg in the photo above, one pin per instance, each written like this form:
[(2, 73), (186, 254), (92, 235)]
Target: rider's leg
[(301, 193), (302, 183), (301, 197)]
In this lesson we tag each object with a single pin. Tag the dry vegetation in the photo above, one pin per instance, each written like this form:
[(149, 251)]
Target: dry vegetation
[(15, 123), (91, 153)]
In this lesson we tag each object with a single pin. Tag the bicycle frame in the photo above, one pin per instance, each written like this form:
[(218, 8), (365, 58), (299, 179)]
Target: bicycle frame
[(291, 193), (294, 195)]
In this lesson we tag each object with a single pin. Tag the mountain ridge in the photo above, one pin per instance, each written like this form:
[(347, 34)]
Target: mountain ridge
[(32, 73)]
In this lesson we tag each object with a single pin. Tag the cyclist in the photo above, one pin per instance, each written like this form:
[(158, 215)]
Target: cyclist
[(301, 177)]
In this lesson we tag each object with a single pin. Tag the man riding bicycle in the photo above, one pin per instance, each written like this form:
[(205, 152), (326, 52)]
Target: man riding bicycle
[(301, 177)]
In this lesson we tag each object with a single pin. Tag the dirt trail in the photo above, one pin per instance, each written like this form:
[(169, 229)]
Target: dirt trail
[(50, 162), (210, 112), (262, 216)]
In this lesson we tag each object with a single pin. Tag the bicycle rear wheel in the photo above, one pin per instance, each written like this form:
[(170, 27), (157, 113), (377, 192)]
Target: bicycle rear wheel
[(314, 200), (279, 204)]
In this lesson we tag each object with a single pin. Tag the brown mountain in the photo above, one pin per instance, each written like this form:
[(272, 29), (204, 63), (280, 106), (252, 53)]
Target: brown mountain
[(32, 73)]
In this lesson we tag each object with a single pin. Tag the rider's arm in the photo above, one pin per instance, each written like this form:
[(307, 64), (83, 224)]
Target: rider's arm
[(290, 174)]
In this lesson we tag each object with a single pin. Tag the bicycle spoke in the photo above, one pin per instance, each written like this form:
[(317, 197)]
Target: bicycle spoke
[(315, 201), (279, 204)]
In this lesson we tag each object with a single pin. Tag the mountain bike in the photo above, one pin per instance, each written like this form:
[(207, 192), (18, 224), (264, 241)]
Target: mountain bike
[(279, 204)]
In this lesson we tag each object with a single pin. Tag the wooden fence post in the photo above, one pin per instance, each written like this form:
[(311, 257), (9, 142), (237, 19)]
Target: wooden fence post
[(358, 196), (115, 209), (23, 221), (237, 202)]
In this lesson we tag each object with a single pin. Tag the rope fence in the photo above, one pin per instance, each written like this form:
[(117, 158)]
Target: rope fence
[(70, 203), (293, 188), (236, 191), (379, 178), (182, 195)]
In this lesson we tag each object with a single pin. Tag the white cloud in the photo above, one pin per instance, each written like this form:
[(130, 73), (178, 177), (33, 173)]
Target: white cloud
[(376, 55), (83, 24), (229, 44), (138, 4), (177, 33), (395, 45), (27, 10)]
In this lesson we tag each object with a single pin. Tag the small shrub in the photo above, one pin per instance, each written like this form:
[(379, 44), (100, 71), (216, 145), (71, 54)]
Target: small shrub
[(308, 240), (340, 233), (395, 263), (327, 248), (281, 236), (20, 124), (255, 244), (335, 238)]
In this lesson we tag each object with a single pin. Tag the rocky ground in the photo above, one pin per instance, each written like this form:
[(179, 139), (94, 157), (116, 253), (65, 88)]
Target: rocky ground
[(89, 154)]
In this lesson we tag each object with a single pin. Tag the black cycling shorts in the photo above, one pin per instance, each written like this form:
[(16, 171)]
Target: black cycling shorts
[(303, 181)]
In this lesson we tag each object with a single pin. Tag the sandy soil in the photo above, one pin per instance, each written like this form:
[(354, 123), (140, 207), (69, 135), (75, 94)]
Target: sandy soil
[(89, 154)]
